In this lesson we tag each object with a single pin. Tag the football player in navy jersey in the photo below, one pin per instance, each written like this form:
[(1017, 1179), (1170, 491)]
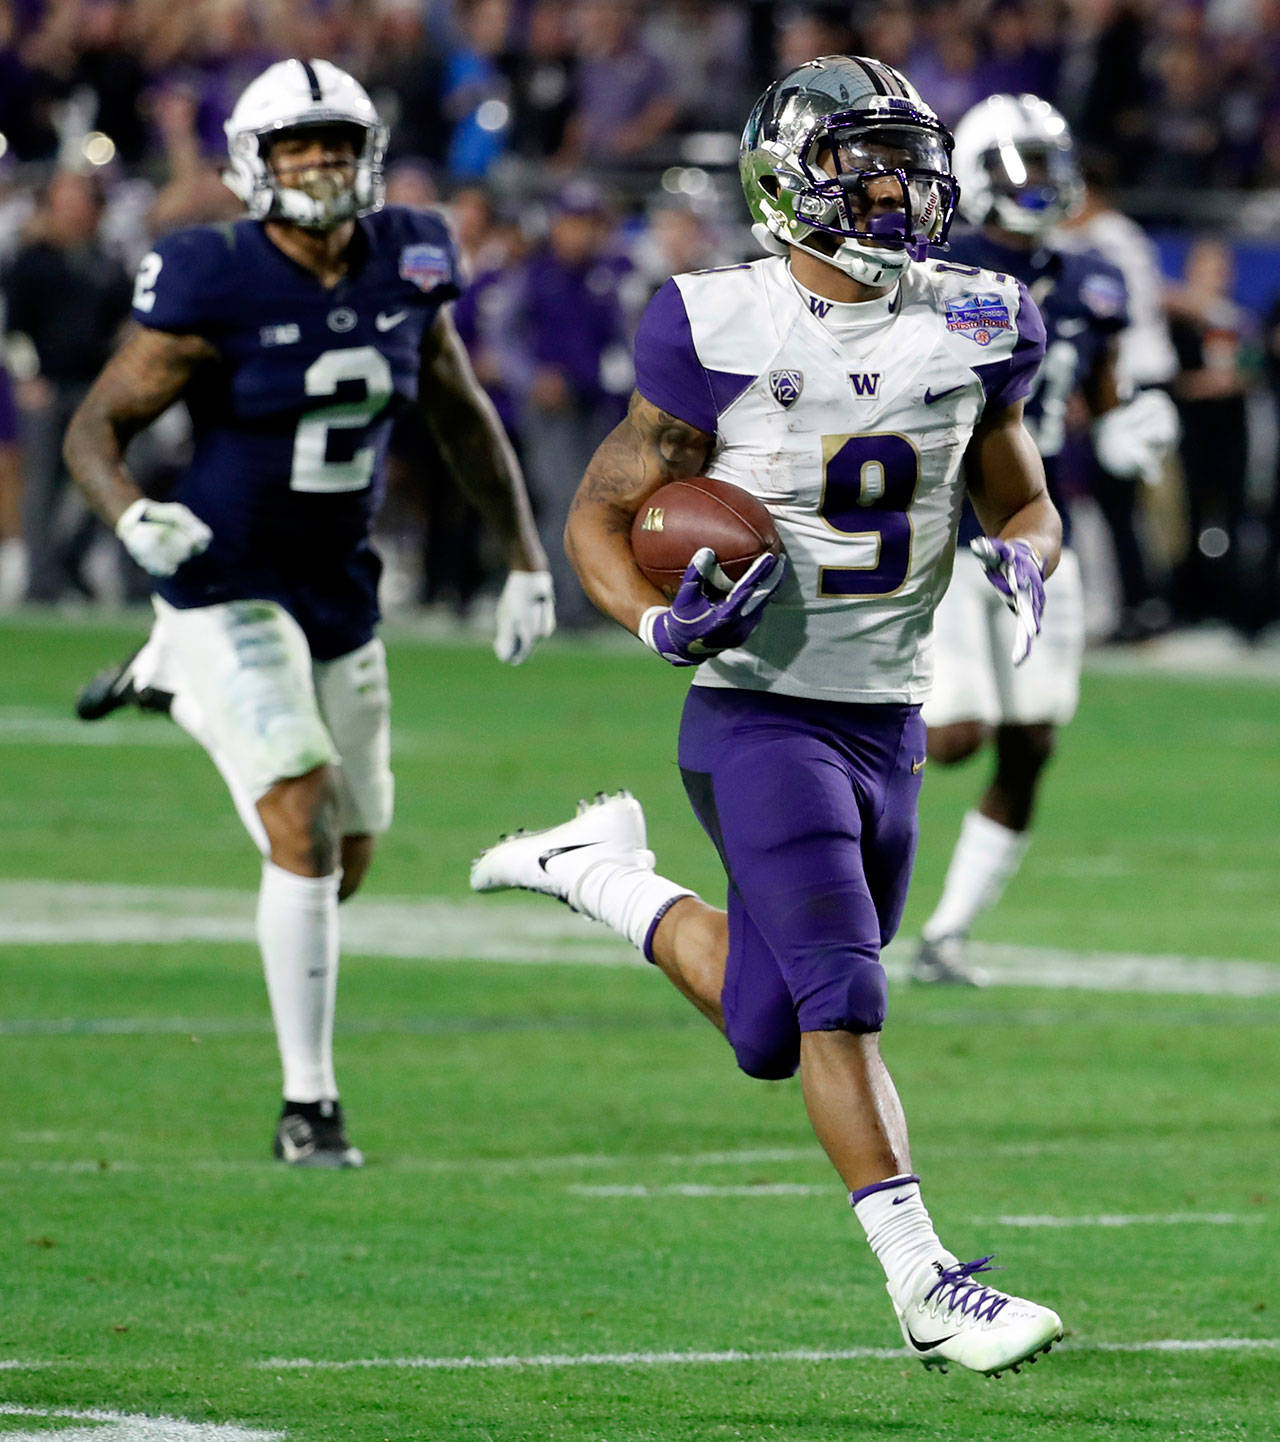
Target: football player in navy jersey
[(293, 336), (1018, 177)]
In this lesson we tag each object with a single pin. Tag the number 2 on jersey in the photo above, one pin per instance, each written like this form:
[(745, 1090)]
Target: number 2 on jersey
[(868, 482), (314, 469)]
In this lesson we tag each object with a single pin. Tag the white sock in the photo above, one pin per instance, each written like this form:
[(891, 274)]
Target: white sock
[(298, 934), (630, 899), (13, 571), (985, 859), (900, 1232)]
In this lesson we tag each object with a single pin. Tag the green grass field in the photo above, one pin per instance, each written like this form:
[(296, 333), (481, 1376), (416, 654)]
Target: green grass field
[(578, 1220)]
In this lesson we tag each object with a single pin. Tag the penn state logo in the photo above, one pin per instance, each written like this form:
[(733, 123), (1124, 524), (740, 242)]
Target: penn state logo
[(786, 387)]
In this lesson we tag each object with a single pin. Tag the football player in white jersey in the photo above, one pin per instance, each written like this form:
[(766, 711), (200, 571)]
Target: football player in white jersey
[(858, 389), (1018, 177), (294, 336)]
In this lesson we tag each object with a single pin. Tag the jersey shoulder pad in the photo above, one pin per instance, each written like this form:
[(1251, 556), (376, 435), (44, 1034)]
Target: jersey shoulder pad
[(698, 345), (423, 249), (1097, 287), (182, 284), (992, 325)]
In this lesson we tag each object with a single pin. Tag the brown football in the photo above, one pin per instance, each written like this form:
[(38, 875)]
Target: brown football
[(682, 516)]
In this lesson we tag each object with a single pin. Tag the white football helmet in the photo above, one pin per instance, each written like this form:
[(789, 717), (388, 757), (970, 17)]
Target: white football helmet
[(1016, 164), (292, 95)]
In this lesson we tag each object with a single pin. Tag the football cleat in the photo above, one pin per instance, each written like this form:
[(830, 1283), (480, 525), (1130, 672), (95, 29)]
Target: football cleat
[(554, 861), (116, 686), (313, 1134), (954, 1318), (942, 962)]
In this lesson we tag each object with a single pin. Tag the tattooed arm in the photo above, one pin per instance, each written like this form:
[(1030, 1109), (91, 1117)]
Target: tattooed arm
[(648, 448), (143, 379), (467, 430)]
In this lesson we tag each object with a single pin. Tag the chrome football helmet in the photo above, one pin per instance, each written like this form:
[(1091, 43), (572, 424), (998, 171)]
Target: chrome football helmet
[(1016, 164), (294, 95), (818, 138)]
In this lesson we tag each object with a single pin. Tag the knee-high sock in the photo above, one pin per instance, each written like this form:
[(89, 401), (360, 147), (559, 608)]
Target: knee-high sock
[(985, 859), (298, 934)]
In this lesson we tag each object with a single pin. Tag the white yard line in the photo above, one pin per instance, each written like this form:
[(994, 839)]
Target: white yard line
[(533, 1361), (532, 931), (128, 1427), (802, 1189), (667, 1358)]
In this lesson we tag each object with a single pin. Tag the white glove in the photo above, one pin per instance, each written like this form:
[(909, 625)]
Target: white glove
[(161, 535), (526, 613), (1133, 440)]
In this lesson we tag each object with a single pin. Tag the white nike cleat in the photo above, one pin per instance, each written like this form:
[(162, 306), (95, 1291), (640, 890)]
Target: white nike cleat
[(956, 1319), (554, 861)]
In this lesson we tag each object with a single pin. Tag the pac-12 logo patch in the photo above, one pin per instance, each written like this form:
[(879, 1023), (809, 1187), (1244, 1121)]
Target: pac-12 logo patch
[(427, 266), (786, 387), (979, 316)]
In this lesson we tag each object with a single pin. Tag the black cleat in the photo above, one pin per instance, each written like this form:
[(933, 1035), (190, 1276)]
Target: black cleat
[(312, 1134), (113, 688)]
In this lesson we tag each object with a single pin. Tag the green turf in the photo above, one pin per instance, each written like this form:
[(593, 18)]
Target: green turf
[(154, 1255)]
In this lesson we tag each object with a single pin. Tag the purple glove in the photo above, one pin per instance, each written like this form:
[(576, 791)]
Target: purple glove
[(701, 622), (1017, 572)]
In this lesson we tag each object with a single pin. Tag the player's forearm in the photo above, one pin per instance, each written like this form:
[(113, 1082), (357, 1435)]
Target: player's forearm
[(475, 447), (93, 450), (1039, 524), (597, 541)]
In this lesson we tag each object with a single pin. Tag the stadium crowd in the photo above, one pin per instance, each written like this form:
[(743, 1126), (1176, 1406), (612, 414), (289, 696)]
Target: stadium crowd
[(584, 151)]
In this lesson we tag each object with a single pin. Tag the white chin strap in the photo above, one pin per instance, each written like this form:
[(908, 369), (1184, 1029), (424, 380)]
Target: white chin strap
[(868, 265)]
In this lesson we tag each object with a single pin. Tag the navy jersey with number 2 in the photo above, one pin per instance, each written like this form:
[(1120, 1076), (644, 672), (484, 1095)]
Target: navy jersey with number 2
[(291, 420)]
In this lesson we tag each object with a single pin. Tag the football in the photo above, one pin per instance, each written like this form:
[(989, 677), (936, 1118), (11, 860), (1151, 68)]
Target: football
[(682, 516)]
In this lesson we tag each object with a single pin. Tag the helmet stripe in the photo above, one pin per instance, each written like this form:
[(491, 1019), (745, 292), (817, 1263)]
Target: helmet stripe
[(313, 80), (872, 73)]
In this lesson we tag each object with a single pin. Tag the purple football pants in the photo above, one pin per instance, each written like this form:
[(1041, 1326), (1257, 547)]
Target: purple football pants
[(812, 807)]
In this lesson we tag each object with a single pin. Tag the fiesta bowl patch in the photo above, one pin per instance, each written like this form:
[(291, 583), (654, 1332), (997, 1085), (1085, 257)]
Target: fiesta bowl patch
[(427, 266), (979, 316)]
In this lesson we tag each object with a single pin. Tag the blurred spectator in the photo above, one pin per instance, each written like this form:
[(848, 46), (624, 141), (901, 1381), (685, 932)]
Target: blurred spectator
[(1210, 332), (1015, 59), (541, 73), (624, 99), (475, 90), (1145, 358), (948, 68), (405, 83), (705, 48), (193, 193), (677, 239), (571, 370), (804, 34), (27, 95), (109, 65), (69, 299)]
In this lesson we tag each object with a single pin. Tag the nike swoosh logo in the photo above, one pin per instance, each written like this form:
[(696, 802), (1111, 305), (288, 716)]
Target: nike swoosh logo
[(916, 768), (931, 396), (560, 851), (389, 322), (898, 1201), (928, 1346)]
